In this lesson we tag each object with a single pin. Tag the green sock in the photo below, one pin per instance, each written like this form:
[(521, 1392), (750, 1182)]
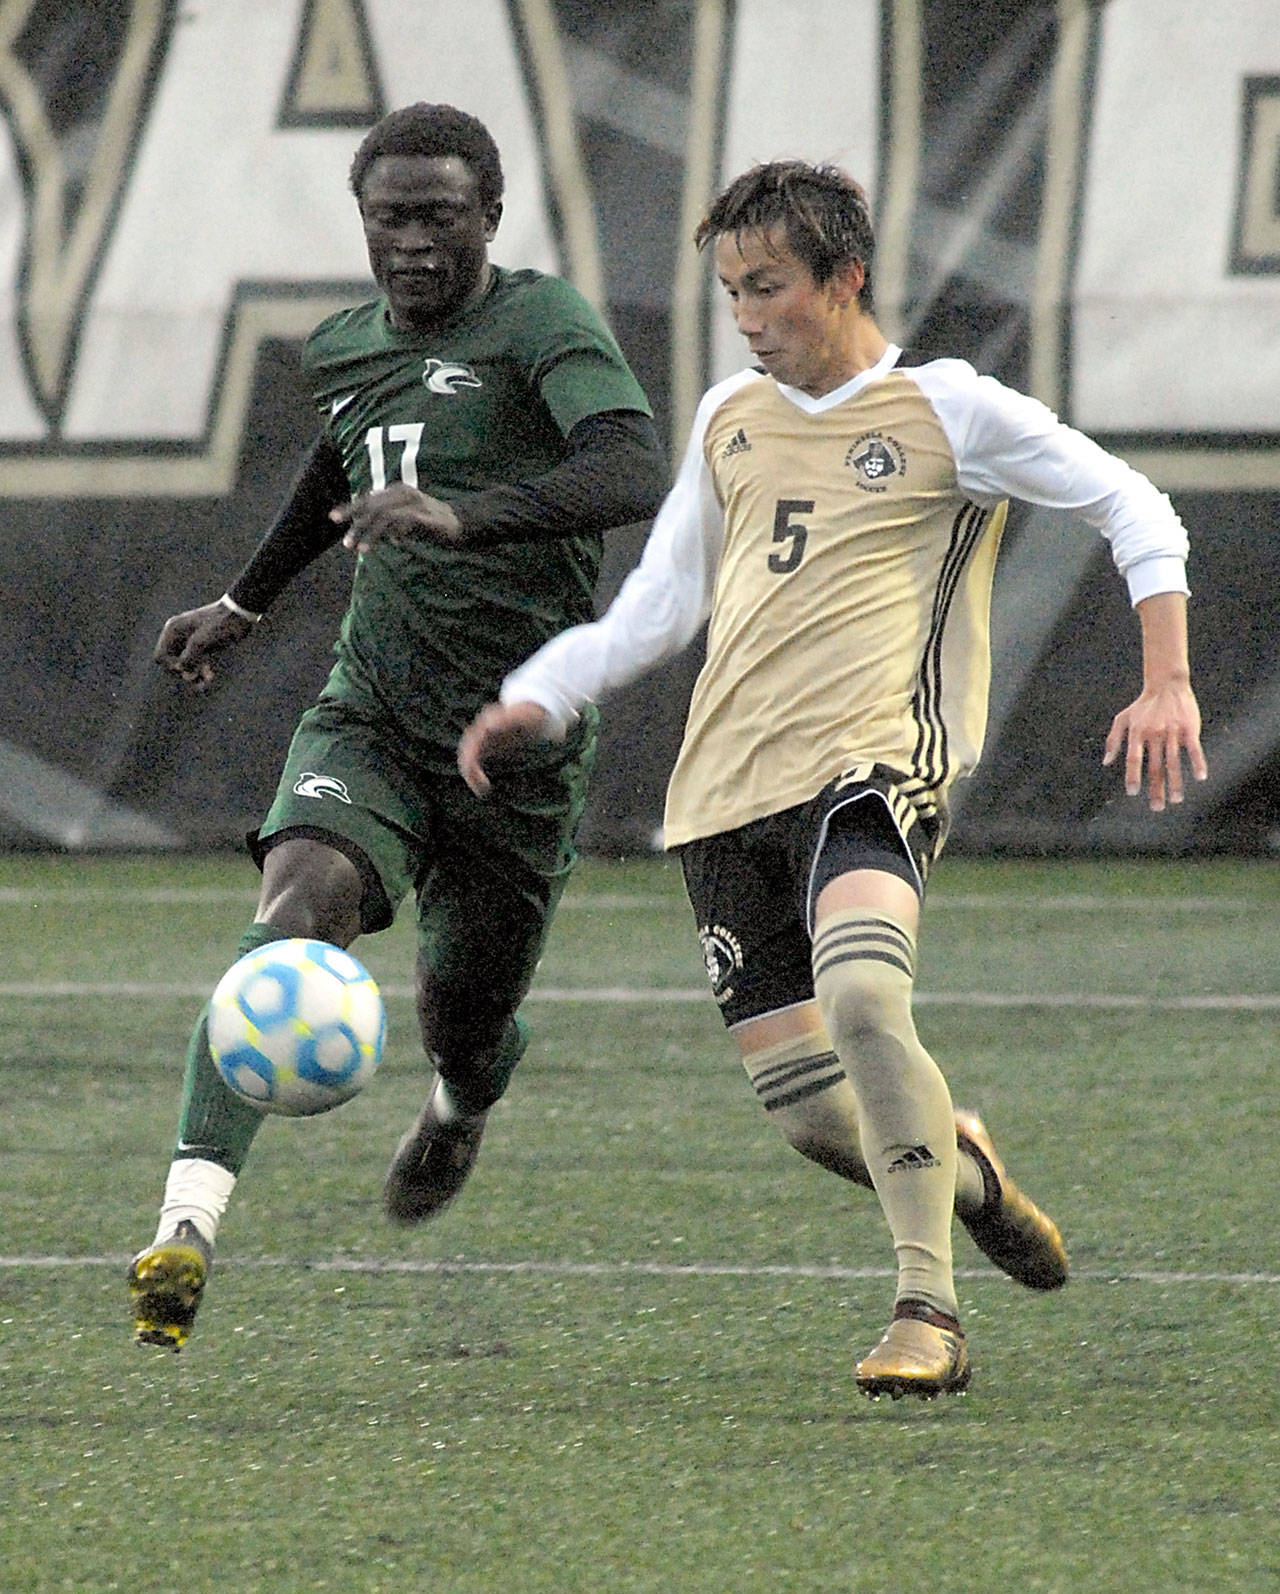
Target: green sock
[(214, 1124), (482, 1087)]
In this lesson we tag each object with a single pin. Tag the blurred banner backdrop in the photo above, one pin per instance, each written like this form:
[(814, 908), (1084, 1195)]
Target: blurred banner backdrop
[(1081, 198)]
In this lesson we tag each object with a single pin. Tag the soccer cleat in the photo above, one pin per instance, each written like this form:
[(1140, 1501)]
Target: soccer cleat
[(166, 1282), (1010, 1228), (922, 1353), (431, 1163)]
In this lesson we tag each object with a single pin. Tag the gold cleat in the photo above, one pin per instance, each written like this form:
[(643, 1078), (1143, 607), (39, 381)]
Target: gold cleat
[(922, 1353), (1010, 1229), (166, 1282)]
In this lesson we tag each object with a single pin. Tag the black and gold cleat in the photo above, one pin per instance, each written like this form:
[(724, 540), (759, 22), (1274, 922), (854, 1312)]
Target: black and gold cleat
[(166, 1282), (1010, 1229), (922, 1353)]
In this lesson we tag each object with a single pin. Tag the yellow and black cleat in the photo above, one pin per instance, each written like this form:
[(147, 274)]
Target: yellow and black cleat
[(166, 1282)]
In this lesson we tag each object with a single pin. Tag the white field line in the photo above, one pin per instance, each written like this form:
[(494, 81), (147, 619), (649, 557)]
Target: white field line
[(659, 996), (35, 896), (671, 1270)]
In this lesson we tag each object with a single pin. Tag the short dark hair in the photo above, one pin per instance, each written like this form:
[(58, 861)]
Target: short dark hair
[(433, 130), (823, 210)]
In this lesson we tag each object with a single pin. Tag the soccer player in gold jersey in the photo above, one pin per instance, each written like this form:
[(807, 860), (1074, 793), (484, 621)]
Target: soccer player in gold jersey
[(836, 518)]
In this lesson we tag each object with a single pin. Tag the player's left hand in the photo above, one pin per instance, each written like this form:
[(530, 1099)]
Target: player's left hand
[(1158, 729), (398, 513)]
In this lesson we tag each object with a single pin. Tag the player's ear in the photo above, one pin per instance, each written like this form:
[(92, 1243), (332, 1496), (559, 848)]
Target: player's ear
[(848, 282), (492, 216)]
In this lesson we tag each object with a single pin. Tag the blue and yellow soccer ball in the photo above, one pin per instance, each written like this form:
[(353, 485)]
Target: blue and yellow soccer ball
[(297, 1027)]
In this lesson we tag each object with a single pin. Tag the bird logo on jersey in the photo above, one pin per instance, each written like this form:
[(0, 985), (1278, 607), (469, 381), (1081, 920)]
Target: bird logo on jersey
[(876, 458), (447, 376)]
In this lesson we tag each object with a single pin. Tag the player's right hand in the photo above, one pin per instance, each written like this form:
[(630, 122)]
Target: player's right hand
[(498, 731), (189, 639)]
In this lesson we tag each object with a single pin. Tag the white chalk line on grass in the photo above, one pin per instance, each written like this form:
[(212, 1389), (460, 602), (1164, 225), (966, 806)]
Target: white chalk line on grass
[(674, 1270), (660, 996), (36, 895)]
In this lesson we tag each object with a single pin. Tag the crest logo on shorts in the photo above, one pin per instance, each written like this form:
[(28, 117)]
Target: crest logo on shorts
[(722, 958), (311, 785), (875, 458), (446, 376)]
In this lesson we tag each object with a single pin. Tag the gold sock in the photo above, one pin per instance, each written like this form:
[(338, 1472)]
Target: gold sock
[(863, 967), (802, 1086)]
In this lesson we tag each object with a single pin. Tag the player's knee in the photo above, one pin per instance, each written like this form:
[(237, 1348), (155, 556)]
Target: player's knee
[(310, 889), (863, 970)]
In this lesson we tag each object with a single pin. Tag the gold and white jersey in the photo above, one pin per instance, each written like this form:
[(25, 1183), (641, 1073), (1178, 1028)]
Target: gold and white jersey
[(844, 550)]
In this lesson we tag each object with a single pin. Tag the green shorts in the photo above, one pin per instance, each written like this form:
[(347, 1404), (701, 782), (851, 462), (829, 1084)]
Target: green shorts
[(487, 872)]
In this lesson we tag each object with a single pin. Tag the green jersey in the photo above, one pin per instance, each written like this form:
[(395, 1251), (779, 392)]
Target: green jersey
[(484, 401)]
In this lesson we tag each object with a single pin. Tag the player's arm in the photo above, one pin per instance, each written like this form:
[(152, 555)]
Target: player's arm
[(658, 611), (614, 473), (300, 532), (1013, 446), (1163, 722)]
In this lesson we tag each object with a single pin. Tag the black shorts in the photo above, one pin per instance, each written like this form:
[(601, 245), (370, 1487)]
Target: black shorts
[(753, 889)]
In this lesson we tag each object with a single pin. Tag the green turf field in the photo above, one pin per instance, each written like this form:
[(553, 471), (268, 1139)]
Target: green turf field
[(622, 1362)]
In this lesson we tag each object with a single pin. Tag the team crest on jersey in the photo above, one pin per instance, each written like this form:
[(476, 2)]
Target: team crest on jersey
[(875, 458), (447, 376), (309, 784), (722, 957)]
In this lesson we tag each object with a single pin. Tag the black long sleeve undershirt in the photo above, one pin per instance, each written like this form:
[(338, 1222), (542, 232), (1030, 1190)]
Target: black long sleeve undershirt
[(614, 473), (300, 532)]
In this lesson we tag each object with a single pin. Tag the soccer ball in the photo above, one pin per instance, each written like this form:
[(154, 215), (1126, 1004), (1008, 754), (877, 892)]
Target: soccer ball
[(296, 1027)]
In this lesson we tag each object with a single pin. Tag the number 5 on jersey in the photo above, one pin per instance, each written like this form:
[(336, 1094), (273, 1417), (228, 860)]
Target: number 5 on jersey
[(786, 530)]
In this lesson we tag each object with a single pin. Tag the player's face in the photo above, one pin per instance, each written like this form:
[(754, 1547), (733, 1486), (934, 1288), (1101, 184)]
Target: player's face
[(428, 236), (797, 330)]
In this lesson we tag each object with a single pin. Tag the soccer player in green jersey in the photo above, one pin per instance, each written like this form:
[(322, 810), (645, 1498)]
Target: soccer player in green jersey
[(480, 429)]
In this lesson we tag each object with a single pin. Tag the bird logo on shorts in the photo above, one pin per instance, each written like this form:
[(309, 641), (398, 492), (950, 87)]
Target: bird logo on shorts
[(312, 785)]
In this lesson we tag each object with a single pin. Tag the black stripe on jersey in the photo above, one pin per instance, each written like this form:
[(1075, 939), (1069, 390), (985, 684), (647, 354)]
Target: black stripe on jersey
[(931, 759), (931, 752)]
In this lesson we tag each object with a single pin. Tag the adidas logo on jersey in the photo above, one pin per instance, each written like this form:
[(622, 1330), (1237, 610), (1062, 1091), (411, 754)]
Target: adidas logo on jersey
[(737, 444)]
